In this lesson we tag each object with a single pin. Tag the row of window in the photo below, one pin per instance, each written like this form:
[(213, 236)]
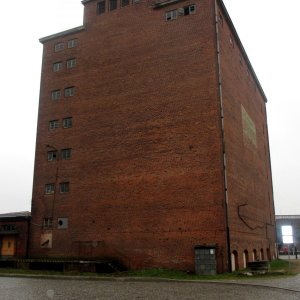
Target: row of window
[(64, 187), (184, 11), (68, 92), (8, 227), (64, 154), (57, 66), (66, 123), (61, 46)]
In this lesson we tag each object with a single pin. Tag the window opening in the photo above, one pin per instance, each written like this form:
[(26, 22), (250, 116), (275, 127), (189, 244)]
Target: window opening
[(57, 66), (69, 92), (64, 187), (66, 153), (67, 123), (52, 155), (53, 124), (101, 7), (171, 15), (47, 223), (49, 188), (72, 43), (55, 95), (124, 3), (71, 63), (287, 234), (112, 4), (59, 47), (191, 9)]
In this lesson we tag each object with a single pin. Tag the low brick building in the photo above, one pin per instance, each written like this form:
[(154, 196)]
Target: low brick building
[(289, 238), (14, 231), (152, 142)]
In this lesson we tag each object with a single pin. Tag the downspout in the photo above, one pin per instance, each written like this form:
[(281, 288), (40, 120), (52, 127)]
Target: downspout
[(273, 220), (223, 138)]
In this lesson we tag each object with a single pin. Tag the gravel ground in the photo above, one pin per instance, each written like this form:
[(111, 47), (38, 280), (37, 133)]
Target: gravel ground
[(32, 288)]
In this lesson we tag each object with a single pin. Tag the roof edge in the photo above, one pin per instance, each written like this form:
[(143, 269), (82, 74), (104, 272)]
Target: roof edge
[(230, 23), (61, 34), (16, 215), (86, 1), (285, 217)]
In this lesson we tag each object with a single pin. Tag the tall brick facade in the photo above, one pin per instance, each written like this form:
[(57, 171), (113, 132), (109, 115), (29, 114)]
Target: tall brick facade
[(152, 139)]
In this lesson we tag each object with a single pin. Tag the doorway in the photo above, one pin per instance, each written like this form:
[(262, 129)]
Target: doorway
[(8, 246)]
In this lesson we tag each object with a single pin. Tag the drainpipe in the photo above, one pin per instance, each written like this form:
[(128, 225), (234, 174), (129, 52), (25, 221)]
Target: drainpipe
[(223, 138)]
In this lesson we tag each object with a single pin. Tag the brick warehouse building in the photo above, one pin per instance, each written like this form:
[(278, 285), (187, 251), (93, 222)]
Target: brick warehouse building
[(152, 140)]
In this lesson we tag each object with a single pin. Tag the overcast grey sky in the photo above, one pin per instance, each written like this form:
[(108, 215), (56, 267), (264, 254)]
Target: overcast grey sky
[(268, 30)]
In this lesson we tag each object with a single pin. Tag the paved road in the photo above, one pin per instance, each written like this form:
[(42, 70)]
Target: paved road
[(32, 289)]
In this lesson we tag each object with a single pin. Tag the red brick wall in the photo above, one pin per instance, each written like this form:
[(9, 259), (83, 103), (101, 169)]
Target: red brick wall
[(146, 175), (248, 165)]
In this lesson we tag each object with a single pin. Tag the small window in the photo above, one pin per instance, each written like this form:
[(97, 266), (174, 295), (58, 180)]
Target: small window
[(47, 223), (66, 153), (70, 91), (59, 47), (57, 66), (171, 15), (188, 10), (124, 3), (49, 188), (55, 95), (67, 123), (71, 63), (112, 4), (64, 187), (287, 234), (101, 7), (62, 223), (52, 155), (53, 124), (72, 43)]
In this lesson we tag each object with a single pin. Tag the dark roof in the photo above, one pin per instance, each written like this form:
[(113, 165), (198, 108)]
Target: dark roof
[(16, 215)]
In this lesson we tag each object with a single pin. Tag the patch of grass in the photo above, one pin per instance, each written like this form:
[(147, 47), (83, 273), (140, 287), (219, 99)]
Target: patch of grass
[(279, 264), (287, 266), (277, 267)]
